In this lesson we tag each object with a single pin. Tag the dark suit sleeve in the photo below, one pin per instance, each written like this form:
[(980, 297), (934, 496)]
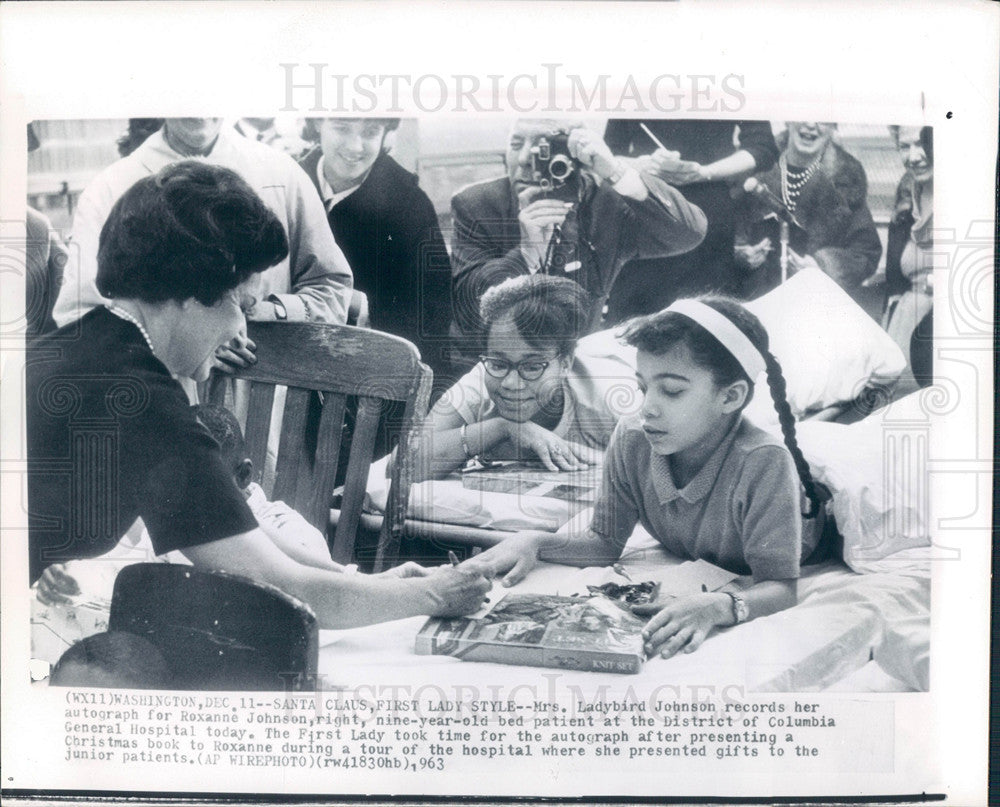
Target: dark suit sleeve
[(664, 224), (757, 138), (618, 134), (434, 284), (481, 258)]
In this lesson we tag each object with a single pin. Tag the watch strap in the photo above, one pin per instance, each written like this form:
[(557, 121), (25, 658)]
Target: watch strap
[(740, 610)]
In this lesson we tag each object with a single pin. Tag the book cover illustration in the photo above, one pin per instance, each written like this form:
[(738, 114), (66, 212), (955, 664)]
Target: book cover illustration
[(532, 479), (542, 630)]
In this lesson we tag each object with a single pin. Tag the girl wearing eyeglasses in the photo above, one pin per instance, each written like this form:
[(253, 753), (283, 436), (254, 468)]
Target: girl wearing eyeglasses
[(531, 397)]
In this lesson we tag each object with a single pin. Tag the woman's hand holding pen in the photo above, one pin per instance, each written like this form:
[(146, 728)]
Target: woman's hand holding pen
[(456, 590), (683, 622)]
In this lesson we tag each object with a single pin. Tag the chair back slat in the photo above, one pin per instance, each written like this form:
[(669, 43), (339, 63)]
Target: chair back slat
[(337, 358), (401, 476), (294, 460), (322, 366), (356, 481), (258, 426), (315, 499)]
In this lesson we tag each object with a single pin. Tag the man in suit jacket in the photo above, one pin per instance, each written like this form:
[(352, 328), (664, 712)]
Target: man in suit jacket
[(606, 213)]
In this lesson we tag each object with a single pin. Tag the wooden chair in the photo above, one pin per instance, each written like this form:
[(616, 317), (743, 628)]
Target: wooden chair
[(217, 631), (323, 366)]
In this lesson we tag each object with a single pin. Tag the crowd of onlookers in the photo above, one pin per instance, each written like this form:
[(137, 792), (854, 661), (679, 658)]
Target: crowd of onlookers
[(660, 225), (647, 212)]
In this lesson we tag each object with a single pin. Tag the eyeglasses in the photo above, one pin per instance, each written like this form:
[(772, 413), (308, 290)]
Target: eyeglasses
[(529, 369)]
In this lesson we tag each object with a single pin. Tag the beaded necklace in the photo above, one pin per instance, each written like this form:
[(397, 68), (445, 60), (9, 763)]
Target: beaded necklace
[(121, 313), (793, 180)]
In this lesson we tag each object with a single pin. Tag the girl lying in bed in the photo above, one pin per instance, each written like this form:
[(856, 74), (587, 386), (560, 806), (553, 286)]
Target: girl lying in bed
[(701, 479), (532, 397)]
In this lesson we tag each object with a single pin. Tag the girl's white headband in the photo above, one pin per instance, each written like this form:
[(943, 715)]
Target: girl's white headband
[(723, 329)]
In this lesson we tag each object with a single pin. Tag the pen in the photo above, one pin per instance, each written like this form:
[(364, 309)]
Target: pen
[(652, 136), (619, 569)]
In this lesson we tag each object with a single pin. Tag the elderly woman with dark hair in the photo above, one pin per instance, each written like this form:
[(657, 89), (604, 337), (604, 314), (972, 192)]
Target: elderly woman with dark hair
[(111, 436), (532, 396)]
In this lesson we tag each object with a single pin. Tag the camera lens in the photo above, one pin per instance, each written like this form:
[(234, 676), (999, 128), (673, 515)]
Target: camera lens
[(560, 167)]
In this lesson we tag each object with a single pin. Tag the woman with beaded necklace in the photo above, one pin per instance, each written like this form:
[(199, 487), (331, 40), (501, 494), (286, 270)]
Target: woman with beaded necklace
[(824, 189)]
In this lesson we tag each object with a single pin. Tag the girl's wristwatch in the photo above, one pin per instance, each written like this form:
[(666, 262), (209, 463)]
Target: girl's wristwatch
[(280, 312), (740, 611)]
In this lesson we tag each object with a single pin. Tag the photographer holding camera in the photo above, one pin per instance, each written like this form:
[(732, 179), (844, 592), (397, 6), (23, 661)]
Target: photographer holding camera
[(567, 207)]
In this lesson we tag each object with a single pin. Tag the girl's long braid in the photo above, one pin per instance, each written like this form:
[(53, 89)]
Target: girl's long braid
[(815, 492)]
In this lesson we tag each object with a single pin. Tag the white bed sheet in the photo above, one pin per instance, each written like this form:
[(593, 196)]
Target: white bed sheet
[(843, 622)]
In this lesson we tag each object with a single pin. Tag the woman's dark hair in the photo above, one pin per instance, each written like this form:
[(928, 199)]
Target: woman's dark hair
[(658, 333), (191, 230), (139, 130), (547, 311)]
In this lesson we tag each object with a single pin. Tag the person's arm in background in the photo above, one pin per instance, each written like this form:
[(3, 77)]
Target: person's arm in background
[(480, 259), (320, 277), (655, 221), (79, 291), (757, 152)]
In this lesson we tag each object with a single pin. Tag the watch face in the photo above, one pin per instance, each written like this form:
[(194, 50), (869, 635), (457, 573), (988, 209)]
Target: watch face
[(740, 608), (280, 312)]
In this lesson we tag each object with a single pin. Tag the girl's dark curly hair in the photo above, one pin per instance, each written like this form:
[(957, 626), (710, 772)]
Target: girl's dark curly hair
[(658, 333), (192, 230), (547, 311)]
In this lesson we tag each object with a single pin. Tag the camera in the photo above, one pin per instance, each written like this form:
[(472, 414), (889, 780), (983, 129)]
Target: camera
[(552, 167)]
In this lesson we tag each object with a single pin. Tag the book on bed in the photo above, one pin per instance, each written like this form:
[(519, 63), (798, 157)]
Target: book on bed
[(533, 479), (543, 630)]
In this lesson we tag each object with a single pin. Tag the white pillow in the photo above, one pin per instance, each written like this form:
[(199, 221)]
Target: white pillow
[(880, 496), (828, 347)]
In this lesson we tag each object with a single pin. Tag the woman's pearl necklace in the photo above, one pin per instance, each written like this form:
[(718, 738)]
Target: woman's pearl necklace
[(125, 315), (791, 188)]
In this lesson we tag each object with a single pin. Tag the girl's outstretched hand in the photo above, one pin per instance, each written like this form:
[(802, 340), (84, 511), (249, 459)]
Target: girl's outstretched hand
[(682, 623), (511, 559)]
